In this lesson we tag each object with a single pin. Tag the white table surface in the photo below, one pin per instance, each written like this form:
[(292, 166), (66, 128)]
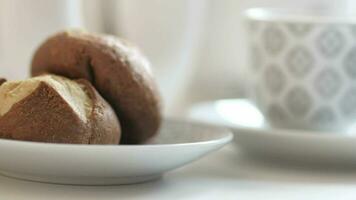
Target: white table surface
[(225, 174)]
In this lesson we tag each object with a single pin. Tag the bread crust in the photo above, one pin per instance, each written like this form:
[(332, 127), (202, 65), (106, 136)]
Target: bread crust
[(44, 116), (116, 69), (105, 126)]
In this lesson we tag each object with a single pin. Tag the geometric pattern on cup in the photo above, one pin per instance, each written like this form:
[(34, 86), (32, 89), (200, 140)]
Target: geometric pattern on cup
[(330, 42), (299, 61), (276, 113), (328, 83), (299, 30), (275, 79), (323, 116), (274, 40), (350, 63), (348, 102), (298, 102), (314, 57)]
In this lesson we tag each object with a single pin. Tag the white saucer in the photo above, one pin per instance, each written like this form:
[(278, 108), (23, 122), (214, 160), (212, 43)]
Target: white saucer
[(253, 136), (177, 144)]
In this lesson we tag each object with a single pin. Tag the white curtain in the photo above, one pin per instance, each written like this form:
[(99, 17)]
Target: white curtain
[(196, 48)]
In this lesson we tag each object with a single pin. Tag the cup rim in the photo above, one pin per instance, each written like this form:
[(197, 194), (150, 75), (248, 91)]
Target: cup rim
[(295, 15)]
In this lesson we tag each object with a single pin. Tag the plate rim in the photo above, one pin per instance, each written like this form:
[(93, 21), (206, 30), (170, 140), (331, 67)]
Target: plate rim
[(226, 137)]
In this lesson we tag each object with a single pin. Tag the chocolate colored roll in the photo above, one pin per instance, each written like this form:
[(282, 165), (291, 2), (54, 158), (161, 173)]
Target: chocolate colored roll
[(117, 70)]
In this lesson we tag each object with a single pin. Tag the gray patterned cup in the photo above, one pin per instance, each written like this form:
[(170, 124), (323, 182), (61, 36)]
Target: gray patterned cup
[(303, 69)]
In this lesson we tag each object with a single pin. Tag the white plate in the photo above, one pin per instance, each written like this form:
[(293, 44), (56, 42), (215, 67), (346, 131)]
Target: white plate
[(177, 144), (253, 136)]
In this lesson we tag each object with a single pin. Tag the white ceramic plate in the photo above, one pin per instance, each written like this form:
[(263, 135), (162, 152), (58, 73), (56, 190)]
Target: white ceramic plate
[(253, 136), (177, 144)]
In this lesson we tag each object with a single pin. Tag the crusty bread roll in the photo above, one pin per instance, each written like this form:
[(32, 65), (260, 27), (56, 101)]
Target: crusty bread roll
[(57, 110), (117, 70)]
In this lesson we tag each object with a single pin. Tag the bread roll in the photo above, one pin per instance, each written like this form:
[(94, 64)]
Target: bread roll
[(117, 70), (57, 110)]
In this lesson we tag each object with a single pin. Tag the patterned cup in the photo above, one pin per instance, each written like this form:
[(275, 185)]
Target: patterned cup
[(302, 71)]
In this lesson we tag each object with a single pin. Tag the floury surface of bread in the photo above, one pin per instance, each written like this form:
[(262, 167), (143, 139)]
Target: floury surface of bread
[(55, 109)]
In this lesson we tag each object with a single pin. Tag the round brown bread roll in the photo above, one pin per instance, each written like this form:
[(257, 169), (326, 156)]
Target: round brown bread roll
[(117, 70), (57, 110)]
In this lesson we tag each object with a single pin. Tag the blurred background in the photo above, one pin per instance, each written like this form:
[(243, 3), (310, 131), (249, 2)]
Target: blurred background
[(197, 48)]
